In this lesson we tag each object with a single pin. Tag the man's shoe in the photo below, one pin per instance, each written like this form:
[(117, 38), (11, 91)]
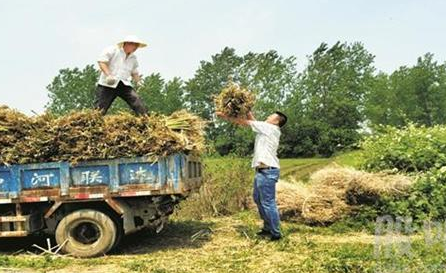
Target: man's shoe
[(263, 233), (276, 237)]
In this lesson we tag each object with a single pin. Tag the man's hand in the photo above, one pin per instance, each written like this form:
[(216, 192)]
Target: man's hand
[(137, 79), (138, 84), (110, 80), (220, 114), (251, 116)]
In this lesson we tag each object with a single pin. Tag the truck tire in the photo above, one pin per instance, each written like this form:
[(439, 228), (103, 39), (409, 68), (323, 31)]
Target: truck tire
[(119, 233), (89, 233)]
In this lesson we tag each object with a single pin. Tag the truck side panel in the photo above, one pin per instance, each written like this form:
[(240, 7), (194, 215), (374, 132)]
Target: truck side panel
[(114, 178)]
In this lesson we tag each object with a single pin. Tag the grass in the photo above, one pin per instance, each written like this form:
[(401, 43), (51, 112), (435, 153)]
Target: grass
[(352, 159), (229, 244), (300, 169), (296, 169)]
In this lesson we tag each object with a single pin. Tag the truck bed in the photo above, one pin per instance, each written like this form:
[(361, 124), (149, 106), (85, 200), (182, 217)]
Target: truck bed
[(59, 181)]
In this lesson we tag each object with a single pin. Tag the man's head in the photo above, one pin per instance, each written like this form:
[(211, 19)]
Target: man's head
[(277, 118), (130, 47), (131, 43)]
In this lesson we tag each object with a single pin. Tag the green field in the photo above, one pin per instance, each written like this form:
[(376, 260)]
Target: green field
[(229, 244)]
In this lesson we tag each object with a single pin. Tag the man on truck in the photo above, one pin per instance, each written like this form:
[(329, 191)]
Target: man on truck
[(266, 164), (119, 67)]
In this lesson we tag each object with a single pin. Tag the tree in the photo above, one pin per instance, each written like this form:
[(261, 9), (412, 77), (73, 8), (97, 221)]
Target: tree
[(272, 77), (380, 102), (410, 94), (161, 96), (421, 91), (151, 92), (72, 89), (334, 86)]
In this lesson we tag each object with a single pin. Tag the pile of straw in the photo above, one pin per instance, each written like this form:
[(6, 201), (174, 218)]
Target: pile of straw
[(290, 197), (87, 135), (333, 192), (14, 126), (38, 143), (234, 101)]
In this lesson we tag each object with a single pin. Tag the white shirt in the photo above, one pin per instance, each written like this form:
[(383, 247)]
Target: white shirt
[(120, 65), (266, 144)]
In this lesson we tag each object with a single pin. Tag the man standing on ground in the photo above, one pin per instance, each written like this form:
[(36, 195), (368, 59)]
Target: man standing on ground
[(266, 164), (119, 66)]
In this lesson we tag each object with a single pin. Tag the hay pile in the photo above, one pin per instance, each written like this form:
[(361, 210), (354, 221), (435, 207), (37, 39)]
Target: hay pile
[(38, 143), (234, 101), (290, 197), (14, 126), (87, 135), (333, 192)]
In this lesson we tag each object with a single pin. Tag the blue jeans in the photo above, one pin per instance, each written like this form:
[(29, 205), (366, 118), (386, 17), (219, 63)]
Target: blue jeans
[(265, 198)]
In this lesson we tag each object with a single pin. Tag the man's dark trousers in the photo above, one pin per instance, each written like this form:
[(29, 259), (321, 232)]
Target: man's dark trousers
[(106, 95)]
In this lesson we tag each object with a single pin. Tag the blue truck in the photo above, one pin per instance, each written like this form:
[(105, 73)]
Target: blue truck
[(90, 206)]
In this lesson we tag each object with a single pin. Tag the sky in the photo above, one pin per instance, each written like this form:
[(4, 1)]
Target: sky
[(40, 37)]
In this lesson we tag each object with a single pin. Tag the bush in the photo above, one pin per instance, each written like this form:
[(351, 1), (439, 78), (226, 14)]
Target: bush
[(426, 200), (409, 149), (412, 149)]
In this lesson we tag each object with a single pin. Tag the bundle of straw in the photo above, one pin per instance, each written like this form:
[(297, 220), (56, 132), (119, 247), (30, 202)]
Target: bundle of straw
[(333, 192), (290, 197), (234, 101), (190, 128)]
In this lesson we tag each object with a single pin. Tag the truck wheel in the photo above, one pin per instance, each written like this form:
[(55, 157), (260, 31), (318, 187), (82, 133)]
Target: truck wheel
[(119, 233), (89, 233)]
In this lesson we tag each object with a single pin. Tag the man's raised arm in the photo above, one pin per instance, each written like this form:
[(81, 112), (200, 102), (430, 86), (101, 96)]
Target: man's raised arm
[(238, 121)]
